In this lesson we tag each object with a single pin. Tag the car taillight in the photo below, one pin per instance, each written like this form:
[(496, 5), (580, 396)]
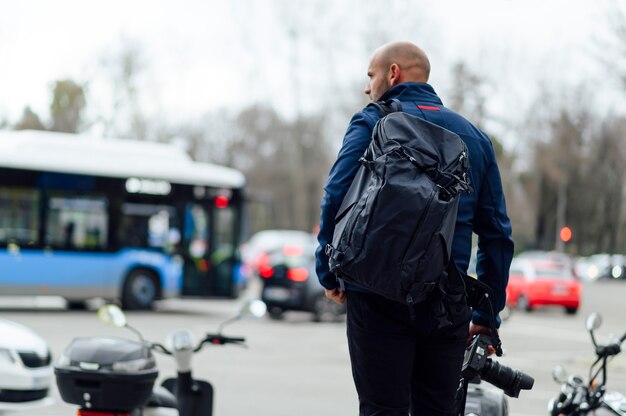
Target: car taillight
[(299, 274), (266, 271)]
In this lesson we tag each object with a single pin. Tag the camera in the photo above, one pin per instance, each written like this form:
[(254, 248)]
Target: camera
[(476, 364)]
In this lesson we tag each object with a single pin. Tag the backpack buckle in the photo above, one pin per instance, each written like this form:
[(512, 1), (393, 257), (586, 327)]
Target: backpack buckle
[(332, 253)]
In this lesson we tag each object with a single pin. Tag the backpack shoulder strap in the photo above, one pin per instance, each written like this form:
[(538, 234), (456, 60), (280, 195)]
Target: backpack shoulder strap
[(387, 107)]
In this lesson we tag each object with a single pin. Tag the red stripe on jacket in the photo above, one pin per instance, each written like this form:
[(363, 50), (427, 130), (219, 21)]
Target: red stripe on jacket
[(428, 107)]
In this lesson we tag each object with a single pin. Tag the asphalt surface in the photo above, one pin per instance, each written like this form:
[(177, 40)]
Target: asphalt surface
[(298, 367)]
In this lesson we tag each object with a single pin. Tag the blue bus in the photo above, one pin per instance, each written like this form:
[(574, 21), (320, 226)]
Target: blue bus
[(84, 217)]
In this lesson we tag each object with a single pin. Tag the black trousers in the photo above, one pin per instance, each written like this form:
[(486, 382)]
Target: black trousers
[(401, 365)]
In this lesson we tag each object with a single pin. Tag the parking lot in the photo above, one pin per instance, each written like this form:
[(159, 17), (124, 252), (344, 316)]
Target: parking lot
[(298, 367)]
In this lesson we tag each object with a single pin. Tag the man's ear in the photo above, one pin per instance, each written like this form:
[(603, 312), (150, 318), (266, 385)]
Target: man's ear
[(394, 74)]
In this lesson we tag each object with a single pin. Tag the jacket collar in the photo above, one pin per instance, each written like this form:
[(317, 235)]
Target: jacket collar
[(413, 91)]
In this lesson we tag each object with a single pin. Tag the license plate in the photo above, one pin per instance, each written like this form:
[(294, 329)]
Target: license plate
[(40, 382), (276, 293), (560, 290)]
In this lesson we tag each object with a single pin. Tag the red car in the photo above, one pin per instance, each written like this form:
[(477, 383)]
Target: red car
[(535, 283)]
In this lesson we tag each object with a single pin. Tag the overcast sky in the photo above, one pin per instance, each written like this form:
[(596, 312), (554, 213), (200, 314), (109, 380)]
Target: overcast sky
[(201, 55)]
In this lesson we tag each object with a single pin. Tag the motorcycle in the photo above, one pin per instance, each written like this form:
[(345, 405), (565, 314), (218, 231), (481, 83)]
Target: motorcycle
[(115, 376), (578, 398)]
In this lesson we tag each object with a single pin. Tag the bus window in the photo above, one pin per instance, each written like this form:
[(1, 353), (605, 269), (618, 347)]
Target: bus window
[(197, 231), (19, 216), (149, 226), (223, 253), (77, 222), (197, 269)]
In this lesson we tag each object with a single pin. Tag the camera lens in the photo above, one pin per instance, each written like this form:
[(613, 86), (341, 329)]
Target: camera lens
[(510, 380)]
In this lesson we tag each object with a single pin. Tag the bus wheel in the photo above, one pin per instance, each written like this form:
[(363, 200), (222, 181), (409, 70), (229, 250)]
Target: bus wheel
[(140, 290)]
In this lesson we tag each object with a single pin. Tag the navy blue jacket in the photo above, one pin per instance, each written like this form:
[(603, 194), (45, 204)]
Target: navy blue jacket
[(482, 212)]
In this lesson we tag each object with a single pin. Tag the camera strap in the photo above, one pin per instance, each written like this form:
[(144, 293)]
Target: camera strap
[(479, 297)]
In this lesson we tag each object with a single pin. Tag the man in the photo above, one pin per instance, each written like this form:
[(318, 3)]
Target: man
[(402, 365)]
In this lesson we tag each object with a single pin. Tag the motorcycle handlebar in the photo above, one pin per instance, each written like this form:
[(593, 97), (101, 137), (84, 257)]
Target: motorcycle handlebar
[(215, 339), (221, 339), (218, 339), (160, 348), (611, 349)]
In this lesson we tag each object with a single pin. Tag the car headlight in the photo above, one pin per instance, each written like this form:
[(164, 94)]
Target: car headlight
[(7, 356)]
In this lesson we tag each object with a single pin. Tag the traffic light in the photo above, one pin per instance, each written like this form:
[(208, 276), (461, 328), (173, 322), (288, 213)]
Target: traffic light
[(565, 234)]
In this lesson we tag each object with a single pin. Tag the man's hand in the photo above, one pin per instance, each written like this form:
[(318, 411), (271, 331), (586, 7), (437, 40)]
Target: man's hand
[(479, 329), (336, 295)]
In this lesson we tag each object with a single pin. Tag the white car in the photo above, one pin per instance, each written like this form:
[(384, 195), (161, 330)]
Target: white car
[(25, 368)]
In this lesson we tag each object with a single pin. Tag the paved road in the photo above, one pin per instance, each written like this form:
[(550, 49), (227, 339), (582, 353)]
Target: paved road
[(296, 367)]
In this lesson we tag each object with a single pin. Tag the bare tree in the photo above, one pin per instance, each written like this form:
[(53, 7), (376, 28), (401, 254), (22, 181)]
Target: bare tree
[(614, 47), (285, 163), (578, 174), (125, 67), (68, 103), (606, 181), (29, 121), (467, 95)]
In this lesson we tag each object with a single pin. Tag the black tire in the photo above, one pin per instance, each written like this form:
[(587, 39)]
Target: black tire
[(522, 303), (76, 305), (276, 313), (325, 310), (571, 311), (141, 289)]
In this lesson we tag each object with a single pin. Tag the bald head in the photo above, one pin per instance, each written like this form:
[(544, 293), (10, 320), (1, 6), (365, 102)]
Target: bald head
[(395, 63), (412, 60)]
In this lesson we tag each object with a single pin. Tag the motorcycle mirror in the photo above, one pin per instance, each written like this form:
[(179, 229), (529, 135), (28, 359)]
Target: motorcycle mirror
[(253, 308), (593, 321), (112, 315), (559, 374)]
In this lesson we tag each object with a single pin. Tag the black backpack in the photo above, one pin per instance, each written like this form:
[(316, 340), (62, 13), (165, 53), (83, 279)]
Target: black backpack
[(394, 229)]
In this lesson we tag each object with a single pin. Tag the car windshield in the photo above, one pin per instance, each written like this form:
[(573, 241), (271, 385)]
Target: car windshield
[(551, 274)]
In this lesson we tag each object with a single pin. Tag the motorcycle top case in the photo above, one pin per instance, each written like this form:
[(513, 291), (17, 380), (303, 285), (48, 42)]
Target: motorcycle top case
[(394, 229), (106, 373)]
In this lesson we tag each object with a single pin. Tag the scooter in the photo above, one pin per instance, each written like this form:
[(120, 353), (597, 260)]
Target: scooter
[(108, 376), (578, 398)]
